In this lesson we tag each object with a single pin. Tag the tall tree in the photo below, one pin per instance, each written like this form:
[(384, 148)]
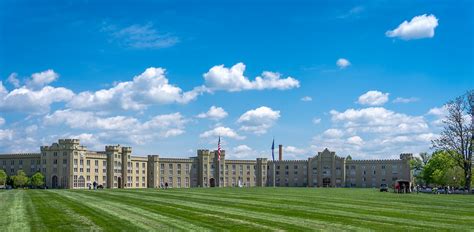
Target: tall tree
[(3, 177), (457, 136), (37, 180), (425, 157), (20, 179)]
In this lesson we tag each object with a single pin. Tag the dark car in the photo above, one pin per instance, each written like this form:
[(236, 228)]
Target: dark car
[(383, 188)]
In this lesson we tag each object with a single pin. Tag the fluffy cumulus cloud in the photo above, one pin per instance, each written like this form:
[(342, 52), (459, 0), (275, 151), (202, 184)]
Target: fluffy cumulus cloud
[(233, 79), (223, 132), (375, 132), (150, 87), (306, 99), (42, 78), (422, 26), (343, 63), (214, 113), (27, 100), (333, 133), (373, 98), (126, 128), (258, 120), (34, 97), (379, 120)]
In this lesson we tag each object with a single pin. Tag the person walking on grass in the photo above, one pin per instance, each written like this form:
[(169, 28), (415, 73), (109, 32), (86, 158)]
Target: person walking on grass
[(166, 185)]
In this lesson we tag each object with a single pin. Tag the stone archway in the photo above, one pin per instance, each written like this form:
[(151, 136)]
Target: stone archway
[(212, 182), (54, 182)]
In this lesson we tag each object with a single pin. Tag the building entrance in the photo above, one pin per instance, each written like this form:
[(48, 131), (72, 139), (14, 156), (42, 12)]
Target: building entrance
[(327, 182)]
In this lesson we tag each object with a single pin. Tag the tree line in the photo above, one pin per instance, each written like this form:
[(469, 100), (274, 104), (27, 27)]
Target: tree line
[(21, 180)]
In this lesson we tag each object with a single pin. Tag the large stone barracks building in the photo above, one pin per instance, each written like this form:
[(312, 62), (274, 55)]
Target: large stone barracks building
[(67, 164)]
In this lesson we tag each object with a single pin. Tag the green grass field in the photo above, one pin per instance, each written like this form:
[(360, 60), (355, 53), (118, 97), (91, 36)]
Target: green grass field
[(256, 209)]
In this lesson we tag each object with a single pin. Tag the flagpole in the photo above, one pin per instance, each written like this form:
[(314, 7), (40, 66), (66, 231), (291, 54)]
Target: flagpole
[(273, 157)]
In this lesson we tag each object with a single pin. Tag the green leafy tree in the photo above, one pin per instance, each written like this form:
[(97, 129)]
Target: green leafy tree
[(457, 137), (20, 179), (37, 180), (416, 165), (3, 177), (436, 170)]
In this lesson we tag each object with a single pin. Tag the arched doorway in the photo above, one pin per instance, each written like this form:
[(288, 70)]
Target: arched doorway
[(81, 183), (54, 182), (119, 180), (212, 182), (327, 182)]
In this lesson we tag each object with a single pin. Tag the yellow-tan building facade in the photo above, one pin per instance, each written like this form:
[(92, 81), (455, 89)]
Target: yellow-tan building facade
[(67, 164)]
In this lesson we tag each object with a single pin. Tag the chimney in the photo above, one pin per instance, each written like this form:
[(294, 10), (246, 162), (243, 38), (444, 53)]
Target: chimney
[(280, 152)]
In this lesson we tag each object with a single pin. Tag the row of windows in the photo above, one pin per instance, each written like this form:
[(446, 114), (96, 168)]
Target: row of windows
[(20, 162)]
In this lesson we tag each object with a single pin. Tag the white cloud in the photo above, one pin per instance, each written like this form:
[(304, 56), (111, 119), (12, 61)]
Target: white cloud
[(306, 99), (316, 120), (405, 100), (214, 113), (41, 79), (379, 120), (6, 134), (438, 111), (333, 133), (32, 101), (422, 26), (373, 98), (258, 120), (233, 79), (150, 87), (141, 36), (343, 63), (2, 121), (241, 149), (356, 140), (375, 132), (119, 127), (223, 132), (293, 150), (12, 79)]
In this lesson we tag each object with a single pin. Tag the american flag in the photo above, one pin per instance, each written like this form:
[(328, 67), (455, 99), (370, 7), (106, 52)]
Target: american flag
[(219, 149)]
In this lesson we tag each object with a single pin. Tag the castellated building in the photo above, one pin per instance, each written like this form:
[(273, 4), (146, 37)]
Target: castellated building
[(67, 164)]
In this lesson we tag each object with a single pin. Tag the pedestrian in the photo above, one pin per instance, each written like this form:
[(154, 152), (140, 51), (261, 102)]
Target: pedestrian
[(95, 185), (166, 185)]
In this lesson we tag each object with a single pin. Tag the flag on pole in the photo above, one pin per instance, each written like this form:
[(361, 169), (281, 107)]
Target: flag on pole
[(273, 149), (219, 149)]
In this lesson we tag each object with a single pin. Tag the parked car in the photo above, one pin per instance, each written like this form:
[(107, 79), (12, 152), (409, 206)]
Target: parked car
[(383, 188)]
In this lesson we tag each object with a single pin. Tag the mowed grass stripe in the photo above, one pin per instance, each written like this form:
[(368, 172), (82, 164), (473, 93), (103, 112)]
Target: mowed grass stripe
[(382, 209), (13, 214), (102, 220), (378, 204), (364, 216), (248, 217), (255, 211), (56, 215), (339, 219), (143, 219), (366, 197), (183, 214)]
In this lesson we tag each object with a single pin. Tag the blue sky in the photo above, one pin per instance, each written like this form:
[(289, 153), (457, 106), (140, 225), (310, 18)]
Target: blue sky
[(366, 79)]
